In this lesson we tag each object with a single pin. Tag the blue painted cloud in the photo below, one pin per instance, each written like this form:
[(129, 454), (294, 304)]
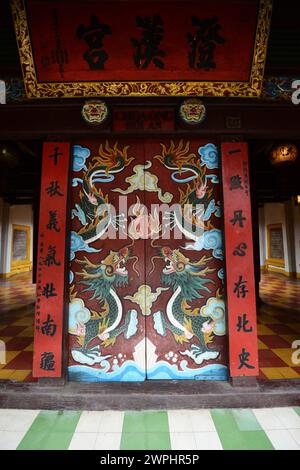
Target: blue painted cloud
[(80, 154), (213, 241), (209, 156), (77, 244)]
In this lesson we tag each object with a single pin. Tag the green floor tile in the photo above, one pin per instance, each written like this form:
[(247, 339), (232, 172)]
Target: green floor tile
[(51, 430), (145, 441), (245, 440), (239, 429), (224, 420), (145, 430), (297, 409), (246, 420), (145, 422)]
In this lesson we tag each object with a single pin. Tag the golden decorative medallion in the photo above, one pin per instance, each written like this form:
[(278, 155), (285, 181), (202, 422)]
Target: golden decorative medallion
[(94, 112), (192, 111)]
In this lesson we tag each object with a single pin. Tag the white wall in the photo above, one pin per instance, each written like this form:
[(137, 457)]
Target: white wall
[(9, 215), (288, 215)]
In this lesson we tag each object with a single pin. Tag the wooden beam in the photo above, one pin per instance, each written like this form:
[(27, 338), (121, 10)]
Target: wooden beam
[(41, 120)]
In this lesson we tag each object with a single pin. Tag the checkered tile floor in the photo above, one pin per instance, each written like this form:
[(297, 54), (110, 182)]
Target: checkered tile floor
[(216, 429), (278, 326), (17, 295)]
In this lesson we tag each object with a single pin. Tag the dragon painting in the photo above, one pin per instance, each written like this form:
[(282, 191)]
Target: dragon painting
[(196, 200), (101, 280), (94, 210), (187, 280)]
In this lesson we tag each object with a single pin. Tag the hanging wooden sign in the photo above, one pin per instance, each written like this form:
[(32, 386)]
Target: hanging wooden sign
[(243, 351), (51, 279), (150, 48)]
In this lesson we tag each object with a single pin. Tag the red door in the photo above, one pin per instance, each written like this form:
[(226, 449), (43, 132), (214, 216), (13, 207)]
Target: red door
[(146, 277)]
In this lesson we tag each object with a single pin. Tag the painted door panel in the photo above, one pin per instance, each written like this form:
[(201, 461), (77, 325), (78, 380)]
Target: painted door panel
[(148, 305), (185, 333), (107, 333)]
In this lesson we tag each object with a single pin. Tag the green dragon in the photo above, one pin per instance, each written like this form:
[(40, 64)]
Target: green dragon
[(101, 280), (187, 280), (94, 211)]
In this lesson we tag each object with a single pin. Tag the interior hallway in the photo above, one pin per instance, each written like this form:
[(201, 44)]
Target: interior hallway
[(17, 296), (278, 326)]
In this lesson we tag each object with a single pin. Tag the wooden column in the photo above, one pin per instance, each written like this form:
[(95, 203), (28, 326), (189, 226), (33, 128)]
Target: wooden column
[(52, 260), (241, 304)]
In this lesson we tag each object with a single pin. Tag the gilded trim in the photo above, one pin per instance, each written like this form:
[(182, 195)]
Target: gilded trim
[(250, 89)]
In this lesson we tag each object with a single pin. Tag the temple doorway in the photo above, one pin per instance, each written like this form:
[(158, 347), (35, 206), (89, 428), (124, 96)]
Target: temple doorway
[(146, 287)]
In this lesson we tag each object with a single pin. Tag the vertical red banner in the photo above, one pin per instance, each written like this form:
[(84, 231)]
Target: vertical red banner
[(241, 303), (50, 296)]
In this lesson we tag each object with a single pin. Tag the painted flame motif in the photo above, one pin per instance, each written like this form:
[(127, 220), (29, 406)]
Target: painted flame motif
[(108, 156), (144, 225), (180, 154)]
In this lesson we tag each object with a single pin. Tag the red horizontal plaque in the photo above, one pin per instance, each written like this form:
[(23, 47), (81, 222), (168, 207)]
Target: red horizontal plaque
[(115, 47)]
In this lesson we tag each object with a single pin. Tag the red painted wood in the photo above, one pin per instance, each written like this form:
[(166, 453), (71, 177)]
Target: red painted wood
[(61, 54), (144, 119), (240, 300), (47, 360)]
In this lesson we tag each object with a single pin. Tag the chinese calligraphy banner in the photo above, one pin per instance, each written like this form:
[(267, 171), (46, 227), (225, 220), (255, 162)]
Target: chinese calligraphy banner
[(149, 48), (243, 353), (50, 297)]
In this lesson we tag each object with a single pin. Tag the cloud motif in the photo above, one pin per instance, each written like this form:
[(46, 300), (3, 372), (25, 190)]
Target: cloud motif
[(221, 274), (80, 154), (215, 309), (71, 277), (78, 316), (211, 209), (209, 156), (213, 241), (77, 244)]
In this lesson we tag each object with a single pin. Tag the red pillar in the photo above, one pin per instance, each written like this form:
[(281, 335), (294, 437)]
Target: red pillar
[(51, 261), (241, 303)]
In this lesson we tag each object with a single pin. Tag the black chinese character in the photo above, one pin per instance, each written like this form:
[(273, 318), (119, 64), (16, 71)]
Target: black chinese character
[(235, 182), (240, 288), (48, 326), (49, 290), (238, 217), (54, 189), (147, 48), (53, 222), (231, 152), (242, 324), (244, 359), (55, 155), (50, 259), (47, 361), (240, 249), (94, 35), (203, 43)]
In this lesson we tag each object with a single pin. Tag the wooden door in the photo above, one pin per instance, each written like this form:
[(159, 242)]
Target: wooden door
[(145, 303), (185, 331)]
